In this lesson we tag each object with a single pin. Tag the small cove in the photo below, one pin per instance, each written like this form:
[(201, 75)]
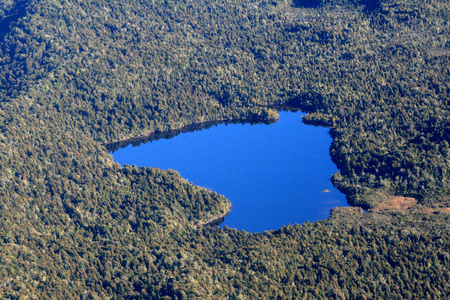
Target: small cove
[(274, 175)]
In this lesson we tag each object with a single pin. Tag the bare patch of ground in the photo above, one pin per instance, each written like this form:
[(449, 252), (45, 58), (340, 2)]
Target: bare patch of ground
[(403, 204), (396, 204)]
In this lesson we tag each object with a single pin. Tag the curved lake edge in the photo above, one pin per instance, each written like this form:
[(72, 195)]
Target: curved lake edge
[(214, 221), (113, 146), (193, 127), (151, 136)]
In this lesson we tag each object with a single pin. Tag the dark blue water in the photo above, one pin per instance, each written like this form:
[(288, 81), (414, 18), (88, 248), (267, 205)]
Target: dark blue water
[(274, 174)]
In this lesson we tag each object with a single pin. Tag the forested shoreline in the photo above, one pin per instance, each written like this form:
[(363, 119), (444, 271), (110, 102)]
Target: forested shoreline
[(75, 75), (154, 136)]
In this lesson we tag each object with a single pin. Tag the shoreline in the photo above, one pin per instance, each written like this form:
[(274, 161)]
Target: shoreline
[(182, 127), (155, 132), (142, 138), (215, 219)]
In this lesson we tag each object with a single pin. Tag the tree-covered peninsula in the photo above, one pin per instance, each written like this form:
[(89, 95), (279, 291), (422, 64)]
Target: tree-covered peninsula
[(78, 74)]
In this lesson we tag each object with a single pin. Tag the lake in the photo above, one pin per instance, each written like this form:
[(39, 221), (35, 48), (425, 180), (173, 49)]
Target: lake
[(274, 175)]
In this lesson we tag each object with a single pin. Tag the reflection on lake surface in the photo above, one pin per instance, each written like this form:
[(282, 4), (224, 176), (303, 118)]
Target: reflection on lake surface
[(274, 174)]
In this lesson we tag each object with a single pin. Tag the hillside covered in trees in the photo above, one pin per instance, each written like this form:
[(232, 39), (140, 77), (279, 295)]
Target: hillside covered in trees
[(77, 75)]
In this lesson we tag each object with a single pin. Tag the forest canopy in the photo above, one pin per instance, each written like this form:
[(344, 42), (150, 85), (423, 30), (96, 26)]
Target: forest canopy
[(75, 75)]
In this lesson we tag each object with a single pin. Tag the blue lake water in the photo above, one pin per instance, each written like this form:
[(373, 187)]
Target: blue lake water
[(274, 175)]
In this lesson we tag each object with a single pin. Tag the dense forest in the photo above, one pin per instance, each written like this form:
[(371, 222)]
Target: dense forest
[(77, 76)]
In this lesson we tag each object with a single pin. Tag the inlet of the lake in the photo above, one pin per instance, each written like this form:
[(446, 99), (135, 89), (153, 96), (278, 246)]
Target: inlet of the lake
[(274, 175)]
